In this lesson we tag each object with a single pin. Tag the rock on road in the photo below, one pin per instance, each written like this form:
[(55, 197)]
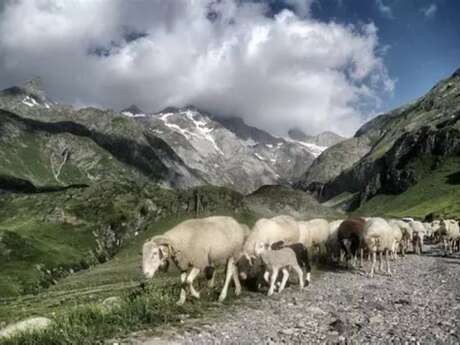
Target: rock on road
[(419, 304)]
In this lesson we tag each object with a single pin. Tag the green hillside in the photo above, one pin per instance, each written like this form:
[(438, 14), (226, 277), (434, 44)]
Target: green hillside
[(438, 193)]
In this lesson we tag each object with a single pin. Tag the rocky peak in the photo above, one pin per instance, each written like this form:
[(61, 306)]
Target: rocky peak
[(133, 111), (297, 134), (34, 88)]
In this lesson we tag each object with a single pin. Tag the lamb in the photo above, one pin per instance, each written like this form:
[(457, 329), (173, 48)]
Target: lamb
[(276, 260), (197, 244), (301, 253), (449, 234), (252, 271), (314, 234), (378, 237), (350, 237), (418, 235)]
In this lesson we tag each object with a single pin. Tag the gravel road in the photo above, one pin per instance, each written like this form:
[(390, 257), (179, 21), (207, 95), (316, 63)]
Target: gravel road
[(420, 304)]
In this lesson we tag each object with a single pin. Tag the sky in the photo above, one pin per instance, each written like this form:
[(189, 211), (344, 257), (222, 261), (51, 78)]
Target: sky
[(310, 64)]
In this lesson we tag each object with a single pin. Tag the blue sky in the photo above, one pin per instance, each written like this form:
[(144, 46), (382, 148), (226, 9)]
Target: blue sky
[(422, 38)]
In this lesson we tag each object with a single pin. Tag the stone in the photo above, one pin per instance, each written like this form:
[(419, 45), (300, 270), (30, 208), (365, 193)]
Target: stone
[(27, 325)]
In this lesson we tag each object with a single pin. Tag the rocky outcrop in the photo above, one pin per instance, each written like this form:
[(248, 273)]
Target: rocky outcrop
[(228, 152), (400, 148), (33, 324), (270, 201)]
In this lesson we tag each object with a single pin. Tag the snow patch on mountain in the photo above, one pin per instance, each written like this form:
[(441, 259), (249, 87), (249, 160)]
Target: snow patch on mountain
[(316, 150), (130, 114), (200, 130), (30, 102)]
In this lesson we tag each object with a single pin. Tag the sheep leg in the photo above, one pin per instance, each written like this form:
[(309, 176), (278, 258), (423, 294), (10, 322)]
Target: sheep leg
[(267, 277), (191, 277), (228, 277), (342, 255), (183, 292), (361, 262), (300, 275), (212, 282), (273, 277), (380, 261), (284, 280), (236, 281), (387, 262), (374, 260)]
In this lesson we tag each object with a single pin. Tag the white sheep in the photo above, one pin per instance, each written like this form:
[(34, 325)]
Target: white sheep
[(397, 237), (197, 244), (378, 238), (281, 228), (449, 234), (417, 236), (407, 235), (314, 234), (275, 260)]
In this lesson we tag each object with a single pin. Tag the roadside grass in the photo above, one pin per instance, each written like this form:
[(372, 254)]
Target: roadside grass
[(438, 193), (75, 302), (94, 323)]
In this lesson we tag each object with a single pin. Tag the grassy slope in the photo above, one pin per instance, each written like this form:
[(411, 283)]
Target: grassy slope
[(75, 302), (439, 192)]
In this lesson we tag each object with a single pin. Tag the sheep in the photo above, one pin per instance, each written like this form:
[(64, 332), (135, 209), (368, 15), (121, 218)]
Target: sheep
[(417, 236), (378, 237), (449, 234), (436, 227), (350, 237), (252, 271), (301, 253), (397, 238), (281, 228), (428, 230), (197, 244), (332, 244), (276, 260), (314, 234)]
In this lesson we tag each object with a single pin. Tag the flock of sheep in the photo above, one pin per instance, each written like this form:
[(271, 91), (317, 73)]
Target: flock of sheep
[(283, 244)]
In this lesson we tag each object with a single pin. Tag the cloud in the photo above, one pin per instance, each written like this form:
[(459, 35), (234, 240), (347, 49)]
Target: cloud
[(385, 10), (225, 56), (429, 11)]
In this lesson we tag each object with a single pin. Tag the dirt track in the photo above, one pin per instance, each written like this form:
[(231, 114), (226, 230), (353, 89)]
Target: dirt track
[(420, 304)]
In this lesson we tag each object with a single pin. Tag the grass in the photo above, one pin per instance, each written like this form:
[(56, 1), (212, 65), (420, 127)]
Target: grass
[(93, 323), (75, 303), (438, 193)]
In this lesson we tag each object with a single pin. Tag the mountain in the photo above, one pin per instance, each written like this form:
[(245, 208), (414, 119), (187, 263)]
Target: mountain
[(393, 155), (324, 139), (48, 144), (228, 152), (133, 111)]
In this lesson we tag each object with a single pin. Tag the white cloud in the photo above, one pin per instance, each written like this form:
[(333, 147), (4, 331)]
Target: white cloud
[(385, 10), (225, 56), (429, 11)]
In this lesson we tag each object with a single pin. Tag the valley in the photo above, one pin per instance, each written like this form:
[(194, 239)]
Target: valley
[(82, 189)]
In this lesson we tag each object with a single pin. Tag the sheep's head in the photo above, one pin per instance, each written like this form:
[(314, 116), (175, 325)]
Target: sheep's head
[(154, 256), (245, 265), (261, 247)]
